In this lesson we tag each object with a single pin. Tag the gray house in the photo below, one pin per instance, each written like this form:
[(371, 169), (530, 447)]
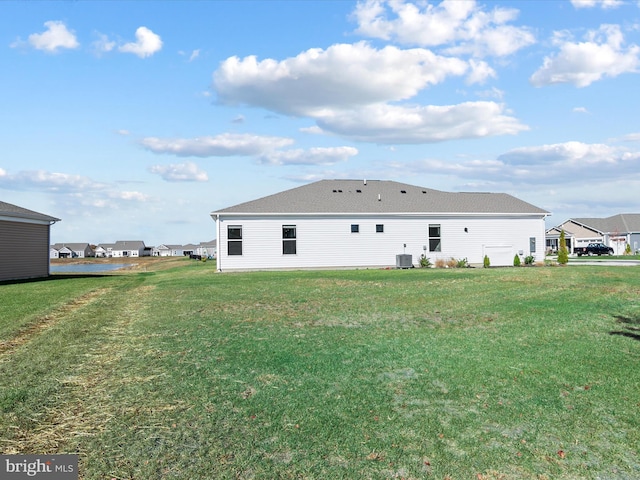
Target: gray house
[(361, 223), (24, 242), (71, 250), (616, 231)]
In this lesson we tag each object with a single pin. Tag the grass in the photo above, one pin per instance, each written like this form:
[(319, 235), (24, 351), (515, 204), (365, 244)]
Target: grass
[(180, 372)]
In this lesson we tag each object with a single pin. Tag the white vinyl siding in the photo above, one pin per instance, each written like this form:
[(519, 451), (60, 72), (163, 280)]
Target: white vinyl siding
[(327, 241)]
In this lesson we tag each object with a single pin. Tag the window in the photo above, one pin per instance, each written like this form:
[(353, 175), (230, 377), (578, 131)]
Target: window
[(434, 238), (532, 244), (288, 239), (355, 228), (234, 240), (379, 228)]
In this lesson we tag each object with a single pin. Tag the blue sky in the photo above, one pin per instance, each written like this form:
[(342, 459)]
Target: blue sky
[(135, 120)]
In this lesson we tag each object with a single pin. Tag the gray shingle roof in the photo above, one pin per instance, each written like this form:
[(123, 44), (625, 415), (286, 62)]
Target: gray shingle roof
[(621, 223), (10, 210), (380, 196), (128, 245), (71, 246)]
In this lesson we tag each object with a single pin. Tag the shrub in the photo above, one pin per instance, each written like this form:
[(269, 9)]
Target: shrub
[(424, 261), (627, 249), (441, 263), (486, 262), (529, 259), (452, 263), (462, 263), (563, 253), (516, 260)]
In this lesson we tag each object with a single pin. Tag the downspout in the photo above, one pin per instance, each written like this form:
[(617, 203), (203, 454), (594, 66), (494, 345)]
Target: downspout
[(51, 222), (218, 247)]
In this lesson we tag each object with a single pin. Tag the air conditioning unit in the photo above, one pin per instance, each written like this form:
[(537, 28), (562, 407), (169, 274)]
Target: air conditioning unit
[(404, 261)]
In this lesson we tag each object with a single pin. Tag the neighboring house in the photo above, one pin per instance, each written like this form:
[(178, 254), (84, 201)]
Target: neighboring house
[(129, 248), (208, 249), (189, 249), (355, 223), (64, 252), (72, 250), (616, 231), (24, 242), (167, 251), (104, 250)]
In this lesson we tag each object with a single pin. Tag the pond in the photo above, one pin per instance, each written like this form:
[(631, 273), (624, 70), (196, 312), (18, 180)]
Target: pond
[(88, 267)]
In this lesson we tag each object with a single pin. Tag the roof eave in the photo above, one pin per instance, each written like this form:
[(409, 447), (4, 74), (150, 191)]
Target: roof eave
[(406, 214)]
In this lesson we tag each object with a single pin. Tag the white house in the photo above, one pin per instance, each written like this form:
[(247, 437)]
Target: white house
[(104, 250), (129, 248), (166, 250), (208, 249), (356, 223)]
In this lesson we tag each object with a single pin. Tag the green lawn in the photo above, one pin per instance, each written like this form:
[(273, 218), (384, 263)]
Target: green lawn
[(185, 373)]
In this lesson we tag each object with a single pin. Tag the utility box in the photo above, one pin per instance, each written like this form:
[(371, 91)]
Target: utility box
[(404, 261)]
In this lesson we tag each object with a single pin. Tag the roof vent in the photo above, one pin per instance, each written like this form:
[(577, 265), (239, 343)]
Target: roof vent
[(403, 191), (379, 197), (335, 191), (424, 191), (339, 191), (358, 191), (365, 181)]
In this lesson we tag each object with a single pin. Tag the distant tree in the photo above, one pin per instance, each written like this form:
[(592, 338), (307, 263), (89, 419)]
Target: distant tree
[(563, 253)]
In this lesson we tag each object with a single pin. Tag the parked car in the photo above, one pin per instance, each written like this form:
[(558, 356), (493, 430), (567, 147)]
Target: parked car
[(593, 249)]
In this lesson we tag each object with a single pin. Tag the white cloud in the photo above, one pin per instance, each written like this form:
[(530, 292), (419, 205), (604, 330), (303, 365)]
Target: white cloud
[(56, 37), (601, 55), (130, 196), (180, 172), (570, 155), (312, 130), (147, 43), (223, 145), (49, 181), (342, 76), (596, 3), (312, 156), (631, 137), (493, 92), (102, 44), (195, 54), (69, 191), (480, 72), (580, 110), (461, 24), (538, 168), (348, 90), (389, 124)]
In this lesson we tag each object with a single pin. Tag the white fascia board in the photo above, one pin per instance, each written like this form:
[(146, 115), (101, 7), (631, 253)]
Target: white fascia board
[(376, 214), (8, 218)]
